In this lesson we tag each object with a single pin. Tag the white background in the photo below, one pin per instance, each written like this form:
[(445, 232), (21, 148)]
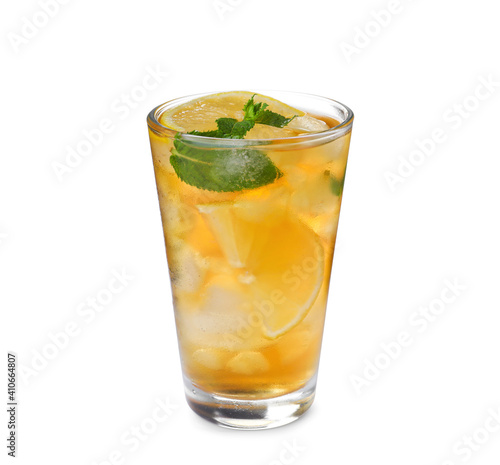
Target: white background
[(396, 247)]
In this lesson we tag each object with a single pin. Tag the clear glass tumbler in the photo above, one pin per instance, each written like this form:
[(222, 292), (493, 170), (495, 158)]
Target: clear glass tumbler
[(250, 268)]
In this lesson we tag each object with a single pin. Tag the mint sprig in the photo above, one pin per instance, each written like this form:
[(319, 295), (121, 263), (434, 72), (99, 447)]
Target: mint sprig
[(228, 169), (229, 128)]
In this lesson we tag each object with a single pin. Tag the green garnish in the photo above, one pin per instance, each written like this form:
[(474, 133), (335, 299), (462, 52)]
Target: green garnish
[(227, 169), (229, 128), (336, 185), (222, 170)]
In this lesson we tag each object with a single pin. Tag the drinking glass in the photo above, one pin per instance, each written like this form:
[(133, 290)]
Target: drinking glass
[(250, 267)]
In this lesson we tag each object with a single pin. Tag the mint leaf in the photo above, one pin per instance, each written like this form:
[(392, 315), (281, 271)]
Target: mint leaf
[(252, 110), (240, 129), (270, 118), (214, 133), (228, 128), (224, 128), (336, 185), (222, 170), (225, 125), (257, 112)]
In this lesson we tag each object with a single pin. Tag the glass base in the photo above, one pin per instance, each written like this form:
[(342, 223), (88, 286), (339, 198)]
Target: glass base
[(250, 414)]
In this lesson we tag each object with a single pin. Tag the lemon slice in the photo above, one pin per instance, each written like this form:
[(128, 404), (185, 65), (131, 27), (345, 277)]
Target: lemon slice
[(200, 114), (276, 260)]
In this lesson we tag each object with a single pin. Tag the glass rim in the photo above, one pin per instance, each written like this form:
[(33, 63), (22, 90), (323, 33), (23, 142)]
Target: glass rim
[(316, 138)]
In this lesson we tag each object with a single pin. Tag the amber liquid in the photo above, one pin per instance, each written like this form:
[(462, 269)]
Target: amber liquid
[(250, 270)]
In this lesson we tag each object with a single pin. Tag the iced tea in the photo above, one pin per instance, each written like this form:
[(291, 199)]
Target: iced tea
[(250, 267)]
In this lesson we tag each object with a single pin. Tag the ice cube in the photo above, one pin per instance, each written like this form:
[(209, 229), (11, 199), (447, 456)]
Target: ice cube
[(209, 358), (315, 196), (307, 123), (187, 268), (248, 363), (216, 318), (262, 131), (325, 225)]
